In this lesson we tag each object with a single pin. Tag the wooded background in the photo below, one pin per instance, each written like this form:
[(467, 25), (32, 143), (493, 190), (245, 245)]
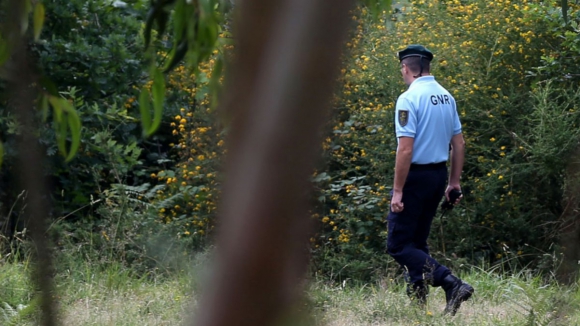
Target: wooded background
[(129, 148)]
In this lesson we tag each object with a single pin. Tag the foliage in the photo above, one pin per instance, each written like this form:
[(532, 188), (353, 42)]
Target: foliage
[(520, 132), (189, 200), (12, 316), (81, 44), (560, 62), (16, 287), (94, 47), (514, 125), (197, 30)]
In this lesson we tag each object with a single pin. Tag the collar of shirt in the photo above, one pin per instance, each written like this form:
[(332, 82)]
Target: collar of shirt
[(422, 80)]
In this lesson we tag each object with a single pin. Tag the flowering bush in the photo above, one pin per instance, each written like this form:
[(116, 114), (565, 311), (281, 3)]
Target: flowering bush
[(519, 129), (188, 200)]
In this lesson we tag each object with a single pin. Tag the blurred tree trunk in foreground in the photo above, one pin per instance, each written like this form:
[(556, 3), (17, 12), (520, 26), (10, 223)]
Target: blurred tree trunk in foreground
[(21, 80), (278, 92)]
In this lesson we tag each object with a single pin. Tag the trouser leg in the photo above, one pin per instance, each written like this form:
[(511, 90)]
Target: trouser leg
[(408, 230)]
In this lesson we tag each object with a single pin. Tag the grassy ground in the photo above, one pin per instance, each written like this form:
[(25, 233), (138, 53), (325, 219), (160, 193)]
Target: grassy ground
[(95, 295), (514, 300)]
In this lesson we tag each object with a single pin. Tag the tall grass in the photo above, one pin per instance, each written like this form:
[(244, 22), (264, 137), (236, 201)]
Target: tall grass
[(521, 299), (91, 292)]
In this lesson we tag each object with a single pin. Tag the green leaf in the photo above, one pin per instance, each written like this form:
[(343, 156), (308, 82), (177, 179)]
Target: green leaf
[(158, 98), (61, 128), (179, 20), (38, 20), (56, 105), (74, 124), (24, 17), (144, 108), (60, 124), (65, 118)]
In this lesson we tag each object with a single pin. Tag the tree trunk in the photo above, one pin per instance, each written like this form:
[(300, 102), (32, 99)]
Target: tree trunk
[(277, 97)]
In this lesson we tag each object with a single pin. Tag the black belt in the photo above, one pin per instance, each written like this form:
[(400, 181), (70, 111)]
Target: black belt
[(427, 167)]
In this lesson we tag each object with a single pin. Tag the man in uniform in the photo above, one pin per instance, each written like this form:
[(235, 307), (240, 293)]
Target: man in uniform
[(427, 126)]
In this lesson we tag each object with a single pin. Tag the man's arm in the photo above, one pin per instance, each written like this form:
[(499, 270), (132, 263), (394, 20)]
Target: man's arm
[(402, 165), (457, 158)]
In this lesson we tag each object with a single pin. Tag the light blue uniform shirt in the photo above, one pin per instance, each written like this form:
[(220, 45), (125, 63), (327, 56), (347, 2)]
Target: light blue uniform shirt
[(427, 112)]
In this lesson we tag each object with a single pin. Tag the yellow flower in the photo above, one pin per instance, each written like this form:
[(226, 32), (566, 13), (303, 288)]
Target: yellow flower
[(492, 139), (325, 219)]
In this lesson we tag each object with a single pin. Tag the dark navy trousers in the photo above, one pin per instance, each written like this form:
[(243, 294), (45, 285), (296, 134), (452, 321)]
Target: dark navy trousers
[(408, 230)]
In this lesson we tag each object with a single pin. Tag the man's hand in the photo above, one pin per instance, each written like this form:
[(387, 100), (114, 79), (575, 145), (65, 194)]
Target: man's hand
[(451, 187), (397, 202)]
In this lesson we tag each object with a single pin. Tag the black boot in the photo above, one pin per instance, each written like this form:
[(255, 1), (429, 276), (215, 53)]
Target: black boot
[(456, 291)]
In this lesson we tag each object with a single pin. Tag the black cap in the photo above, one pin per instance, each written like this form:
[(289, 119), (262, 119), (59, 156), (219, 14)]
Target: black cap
[(415, 50)]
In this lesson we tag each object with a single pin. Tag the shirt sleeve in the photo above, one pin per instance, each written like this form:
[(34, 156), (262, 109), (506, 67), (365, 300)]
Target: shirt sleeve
[(456, 123), (405, 118)]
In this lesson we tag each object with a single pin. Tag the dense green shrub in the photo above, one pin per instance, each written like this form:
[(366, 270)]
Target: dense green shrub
[(520, 131), (93, 53)]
